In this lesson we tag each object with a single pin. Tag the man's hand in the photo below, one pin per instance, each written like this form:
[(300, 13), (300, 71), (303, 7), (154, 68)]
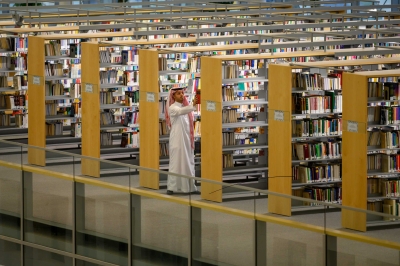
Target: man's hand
[(195, 101)]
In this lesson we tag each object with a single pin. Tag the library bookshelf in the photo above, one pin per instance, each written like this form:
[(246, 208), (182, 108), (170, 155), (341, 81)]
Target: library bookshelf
[(280, 128), (37, 79), (148, 102), (357, 127), (212, 107)]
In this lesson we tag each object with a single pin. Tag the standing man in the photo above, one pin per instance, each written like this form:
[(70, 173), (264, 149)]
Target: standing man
[(179, 118)]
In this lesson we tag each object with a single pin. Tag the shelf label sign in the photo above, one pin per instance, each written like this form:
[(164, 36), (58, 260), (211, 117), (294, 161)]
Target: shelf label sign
[(279, 115), (211, 106), (150, 97), (352, 126), (88, 88), (36, 80)]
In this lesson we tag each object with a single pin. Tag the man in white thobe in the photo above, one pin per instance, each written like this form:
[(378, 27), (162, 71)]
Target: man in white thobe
[(179, 117)]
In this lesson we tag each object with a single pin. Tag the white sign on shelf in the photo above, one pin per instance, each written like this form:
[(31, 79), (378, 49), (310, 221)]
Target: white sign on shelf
[(88, 87), (211, 106), (279, 115), (150, 97), (36, 80), (352, 126)]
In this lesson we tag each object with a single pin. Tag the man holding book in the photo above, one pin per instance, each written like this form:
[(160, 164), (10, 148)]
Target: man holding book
[(179, 118)]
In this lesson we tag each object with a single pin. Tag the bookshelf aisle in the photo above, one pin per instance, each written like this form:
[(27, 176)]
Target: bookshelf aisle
[(13, 85), (316, 175), (54, 86), (109, 103), (370, 147), (305, 137), (233, 105)]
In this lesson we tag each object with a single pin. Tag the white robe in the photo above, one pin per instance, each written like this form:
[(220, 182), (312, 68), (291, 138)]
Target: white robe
[(181, 155)]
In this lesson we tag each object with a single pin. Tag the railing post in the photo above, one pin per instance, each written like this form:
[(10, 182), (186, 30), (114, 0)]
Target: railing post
[(136, 226), (330, 250), (195, 228), (261, 243)]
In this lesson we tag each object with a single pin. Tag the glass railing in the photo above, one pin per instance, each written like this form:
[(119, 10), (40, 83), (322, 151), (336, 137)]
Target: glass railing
[(54, 215)]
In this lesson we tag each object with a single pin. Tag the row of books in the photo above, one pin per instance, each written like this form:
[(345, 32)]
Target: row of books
[(324, 126), (163, 128), (248, 151), (194, 64), (388, 206), (76, 130), (386, 91), (130, 140), (131, 97), (174, 78), (3, 81), (227, 160), (384, 79), (54, 128), (384, 115), (317, 173), (316, 104), (110, 76), (130, 77), (106, 118), (106, 139), (53, 69), (129, 57), (383, 162), (176, 56), (12, 63), (53, 89), (131, 118), (317, 150), (75, 90), (17, 101), (107, 97), (230, 71), (327, 193), (5, 119), (105, 56), (20, 81), (309, 81), (164, 149), (231, 138), (53, 48), (229, 116), (384, 187)]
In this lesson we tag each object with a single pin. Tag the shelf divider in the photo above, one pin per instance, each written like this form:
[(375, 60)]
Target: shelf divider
[(90, 108), (36, 92), (149, 118), (279, 139)]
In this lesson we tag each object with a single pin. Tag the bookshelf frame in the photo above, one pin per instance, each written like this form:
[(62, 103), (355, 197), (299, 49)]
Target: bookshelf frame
[(354, 146), (211, 144), (280, 138)]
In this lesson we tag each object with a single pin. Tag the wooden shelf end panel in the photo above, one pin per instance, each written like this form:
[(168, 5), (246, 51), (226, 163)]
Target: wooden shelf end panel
[(90, 108), (149, 118), (211, 124), (279, 138), (354, 157), (36, 92)]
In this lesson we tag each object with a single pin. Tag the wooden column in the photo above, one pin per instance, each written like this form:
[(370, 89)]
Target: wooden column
[(279, 138), (354, 156), (149, 118), (211, 127), (90, 108), (36, 93)]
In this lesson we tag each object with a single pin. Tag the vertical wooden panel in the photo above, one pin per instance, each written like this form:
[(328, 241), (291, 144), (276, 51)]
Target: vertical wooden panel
[(279, 139), (37, 126), (149, 118), (354, 162), (90, 109), (211, 128)]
